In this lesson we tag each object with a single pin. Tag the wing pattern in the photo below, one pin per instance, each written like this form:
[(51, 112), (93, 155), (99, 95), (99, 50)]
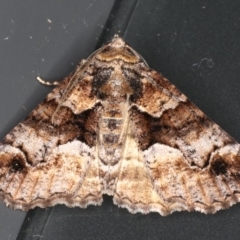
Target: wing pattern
[(116, 127)]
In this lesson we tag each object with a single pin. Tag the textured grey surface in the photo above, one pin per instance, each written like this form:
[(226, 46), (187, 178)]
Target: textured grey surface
[(40, 37)]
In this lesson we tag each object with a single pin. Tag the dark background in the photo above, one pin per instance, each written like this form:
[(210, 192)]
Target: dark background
[(196, 44)]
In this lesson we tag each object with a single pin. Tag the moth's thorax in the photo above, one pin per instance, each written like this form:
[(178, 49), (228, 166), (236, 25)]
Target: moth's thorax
[(116, 86)]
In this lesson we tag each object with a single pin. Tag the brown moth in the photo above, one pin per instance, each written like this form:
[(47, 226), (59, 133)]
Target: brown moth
[(117, 127)]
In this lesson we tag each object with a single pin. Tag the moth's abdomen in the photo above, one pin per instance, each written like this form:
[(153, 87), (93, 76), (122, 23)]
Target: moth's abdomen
[(114, 117), (111, 141), (112, 132)]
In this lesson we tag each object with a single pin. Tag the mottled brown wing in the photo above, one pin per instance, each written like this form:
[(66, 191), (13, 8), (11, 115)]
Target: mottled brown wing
[(192, 163), (134, 189), (44, 161)]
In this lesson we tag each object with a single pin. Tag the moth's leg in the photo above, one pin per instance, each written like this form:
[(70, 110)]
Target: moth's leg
[(55, 83)]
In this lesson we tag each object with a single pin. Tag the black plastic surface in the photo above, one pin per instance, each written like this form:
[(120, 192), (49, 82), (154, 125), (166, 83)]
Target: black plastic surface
[(195, 44)]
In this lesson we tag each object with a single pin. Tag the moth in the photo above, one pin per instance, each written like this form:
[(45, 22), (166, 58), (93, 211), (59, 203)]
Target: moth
[(117, 127)]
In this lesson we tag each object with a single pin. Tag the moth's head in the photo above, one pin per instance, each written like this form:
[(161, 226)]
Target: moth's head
[(117, 42), (117, 50)]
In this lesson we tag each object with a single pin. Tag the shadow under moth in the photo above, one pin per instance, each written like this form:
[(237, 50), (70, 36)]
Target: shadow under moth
[(117, 127)]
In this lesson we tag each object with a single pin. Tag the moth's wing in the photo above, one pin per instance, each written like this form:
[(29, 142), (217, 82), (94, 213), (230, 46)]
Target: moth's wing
[(44, 163), (192, 163), (134, 188)]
